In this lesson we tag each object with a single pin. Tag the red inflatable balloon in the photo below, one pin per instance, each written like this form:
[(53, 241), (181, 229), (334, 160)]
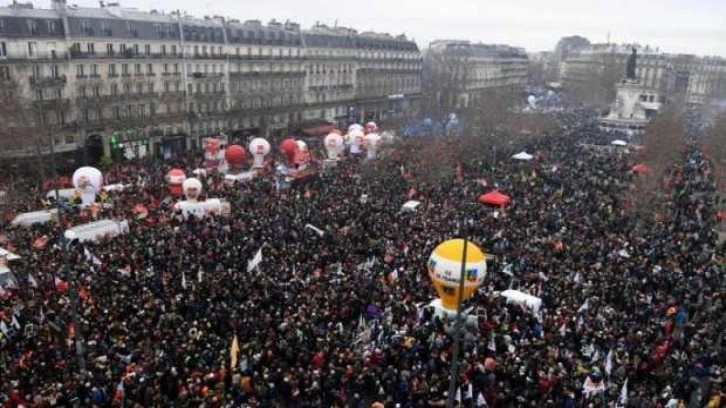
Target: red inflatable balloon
[(289, 148), (235, 155)]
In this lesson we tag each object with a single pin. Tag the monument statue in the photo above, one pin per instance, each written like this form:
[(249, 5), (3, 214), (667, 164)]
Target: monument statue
[(630, 74)]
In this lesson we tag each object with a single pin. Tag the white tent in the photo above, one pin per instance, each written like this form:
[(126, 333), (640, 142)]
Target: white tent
[(619, 142), (410, 205), (521, 298), (523, 156)]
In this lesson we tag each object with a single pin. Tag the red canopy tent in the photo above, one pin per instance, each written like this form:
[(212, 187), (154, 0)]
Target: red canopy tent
[(641, 168), (494, 198)]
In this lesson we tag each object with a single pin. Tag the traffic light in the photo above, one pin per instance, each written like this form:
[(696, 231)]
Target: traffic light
[(114, 141)]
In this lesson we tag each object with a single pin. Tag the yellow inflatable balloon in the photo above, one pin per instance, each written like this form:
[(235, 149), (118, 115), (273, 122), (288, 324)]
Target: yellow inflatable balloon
[(445, 270)]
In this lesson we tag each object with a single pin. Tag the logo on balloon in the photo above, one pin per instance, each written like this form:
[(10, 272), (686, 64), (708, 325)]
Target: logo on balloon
[(260, 149)]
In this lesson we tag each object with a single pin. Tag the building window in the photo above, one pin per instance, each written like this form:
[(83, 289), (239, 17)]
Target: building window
[(149, 69), (176, 68), (4, 73), (173, 49), (91, 48), (94, 70), (114, 89), (163, 49), (125, 69), (147, 49), (3, 49), (109, 49), (54, 72), (137, 69), (136, 49), (32, 27), (32, 49), (51, 27), (79, 70)]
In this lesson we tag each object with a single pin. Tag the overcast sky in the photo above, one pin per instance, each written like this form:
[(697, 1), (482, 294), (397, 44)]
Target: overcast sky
[(692, 26)]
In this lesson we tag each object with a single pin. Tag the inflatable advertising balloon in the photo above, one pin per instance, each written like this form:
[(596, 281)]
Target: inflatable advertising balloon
[(371, 127), (88, 181), (302, 156), (175, 178), (235, 157), (192, 189), (259, 148), (192, 205), (357, 138), (289, 149), (211, 153), (444, 268), (371, 144), (333, 145)]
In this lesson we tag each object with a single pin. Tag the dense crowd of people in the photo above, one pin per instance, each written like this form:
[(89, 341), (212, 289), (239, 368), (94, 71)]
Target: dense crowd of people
[(324, 322)]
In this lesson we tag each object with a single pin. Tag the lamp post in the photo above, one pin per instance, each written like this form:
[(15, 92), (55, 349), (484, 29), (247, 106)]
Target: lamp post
[(457, 333), (65, 260)]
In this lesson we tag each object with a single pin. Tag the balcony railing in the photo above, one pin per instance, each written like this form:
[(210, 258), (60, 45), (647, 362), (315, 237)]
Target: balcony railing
[(119, 97), (205, 75), (52, 103), (36, 56), (59, 80), (207, 56), (268, 74), (128, 54), (266, 57)]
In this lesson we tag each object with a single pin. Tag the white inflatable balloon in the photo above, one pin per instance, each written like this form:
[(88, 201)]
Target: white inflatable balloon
[(333, 145), (88, 181), (260, 148), (532, 101), (371, 142), (354, 127), (371, 127), (357, 138), (192, 189)]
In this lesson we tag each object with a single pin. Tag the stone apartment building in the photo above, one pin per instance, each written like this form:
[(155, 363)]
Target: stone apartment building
[(96, 78)]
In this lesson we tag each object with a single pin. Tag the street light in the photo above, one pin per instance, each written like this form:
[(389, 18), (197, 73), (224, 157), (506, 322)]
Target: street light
[(64, 239)]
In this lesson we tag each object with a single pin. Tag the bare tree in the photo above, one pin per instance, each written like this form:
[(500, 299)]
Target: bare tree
[(597, 80), (664, 142), (714, 146), (28, 124), (444, 79)]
